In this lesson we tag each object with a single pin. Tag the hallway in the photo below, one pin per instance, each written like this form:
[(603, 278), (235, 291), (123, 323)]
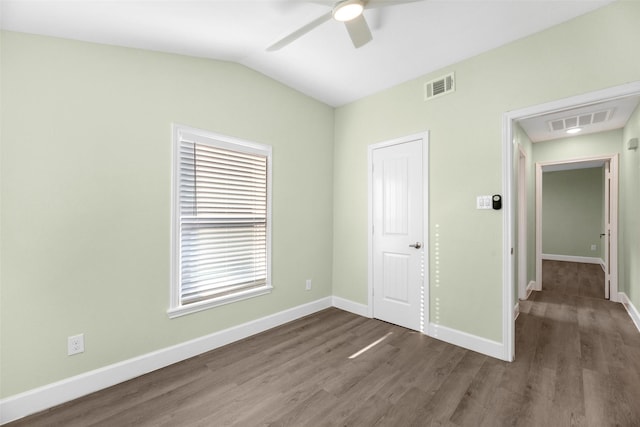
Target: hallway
[(582, 351)]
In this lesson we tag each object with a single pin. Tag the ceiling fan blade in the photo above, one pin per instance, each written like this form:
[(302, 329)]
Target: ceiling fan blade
[(359, 31), (299, 32), (373, 4)]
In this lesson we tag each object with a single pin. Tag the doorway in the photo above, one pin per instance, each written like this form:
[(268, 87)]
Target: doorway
[(509, 255), (398, 244), (607, 235)]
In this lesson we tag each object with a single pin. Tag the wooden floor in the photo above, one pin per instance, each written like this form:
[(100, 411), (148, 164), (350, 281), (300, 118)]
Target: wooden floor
[(577, 364)]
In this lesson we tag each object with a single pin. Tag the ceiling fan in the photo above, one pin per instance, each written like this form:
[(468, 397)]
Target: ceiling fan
[(347, 11)]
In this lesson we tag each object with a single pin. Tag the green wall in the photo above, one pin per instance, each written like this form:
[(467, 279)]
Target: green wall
[(629, 258), (589, 53), (595, 144), (581, 146), (572, 219), (86, 180)]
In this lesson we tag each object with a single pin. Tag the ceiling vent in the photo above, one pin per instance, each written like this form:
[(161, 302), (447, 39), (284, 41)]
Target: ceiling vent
[(440, 86), (580, 120)]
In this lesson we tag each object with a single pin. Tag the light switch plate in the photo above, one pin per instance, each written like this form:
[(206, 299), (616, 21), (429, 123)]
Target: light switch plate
[(483, 202)]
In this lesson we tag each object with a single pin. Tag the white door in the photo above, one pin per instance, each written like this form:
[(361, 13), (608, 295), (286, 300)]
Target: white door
[(522, 224), (398, 236), (605, 236)]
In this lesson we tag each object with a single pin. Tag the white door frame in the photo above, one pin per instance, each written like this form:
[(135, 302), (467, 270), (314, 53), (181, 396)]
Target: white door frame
[(508, 123), (424, 303), (612, 160)]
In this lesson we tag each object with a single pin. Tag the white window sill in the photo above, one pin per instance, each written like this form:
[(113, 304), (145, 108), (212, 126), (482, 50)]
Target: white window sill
[(215, 302)]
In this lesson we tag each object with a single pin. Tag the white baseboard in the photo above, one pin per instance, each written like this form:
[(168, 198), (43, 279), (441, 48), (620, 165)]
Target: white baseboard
[(571, 258), (468, 341), (516, 311), (530, 288), (452, 336), (350, 306), (631, 309), (39, 399)]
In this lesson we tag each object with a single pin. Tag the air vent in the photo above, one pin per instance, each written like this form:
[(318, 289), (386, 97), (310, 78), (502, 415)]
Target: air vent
[(581, 120), (440, 86)]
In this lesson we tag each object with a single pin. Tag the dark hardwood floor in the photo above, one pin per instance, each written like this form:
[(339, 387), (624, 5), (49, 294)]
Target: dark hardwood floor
[(572, 278), (577, 364)]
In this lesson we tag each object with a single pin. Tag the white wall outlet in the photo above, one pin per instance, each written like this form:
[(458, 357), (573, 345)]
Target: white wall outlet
[(75, 344), (593, 247), (308, 285)]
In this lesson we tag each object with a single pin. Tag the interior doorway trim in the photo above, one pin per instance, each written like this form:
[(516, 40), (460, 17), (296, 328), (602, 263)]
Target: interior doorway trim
[(508, 186), (424, 303)]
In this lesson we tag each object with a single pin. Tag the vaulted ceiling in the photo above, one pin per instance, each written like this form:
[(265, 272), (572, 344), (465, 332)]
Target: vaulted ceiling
[(409, 39)]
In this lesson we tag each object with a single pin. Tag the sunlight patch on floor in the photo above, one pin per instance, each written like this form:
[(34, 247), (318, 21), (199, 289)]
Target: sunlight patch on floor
[(370, 346)]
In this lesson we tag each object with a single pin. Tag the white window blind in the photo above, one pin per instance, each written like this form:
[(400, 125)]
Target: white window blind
[(223, 210)]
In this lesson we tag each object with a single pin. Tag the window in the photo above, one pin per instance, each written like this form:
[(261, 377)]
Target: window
[(221, 220)]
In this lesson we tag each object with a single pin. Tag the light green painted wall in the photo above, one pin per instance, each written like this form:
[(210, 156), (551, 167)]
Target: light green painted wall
[(581, 146), (572, 212), (465, 154), (629, 272), (595, 144), (86, 161)]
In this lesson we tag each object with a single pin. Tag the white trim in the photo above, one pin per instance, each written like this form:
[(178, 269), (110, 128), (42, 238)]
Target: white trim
[(631, 309), (614, 212), (424, 136), (350, 306), (508, 120), (508, 240), (468, 341), (516, 311), (573, 258), (538, 209), (530, 288), (41, 398)]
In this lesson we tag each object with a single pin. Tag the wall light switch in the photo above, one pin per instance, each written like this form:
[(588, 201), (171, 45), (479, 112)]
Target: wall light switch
[(483, 202)]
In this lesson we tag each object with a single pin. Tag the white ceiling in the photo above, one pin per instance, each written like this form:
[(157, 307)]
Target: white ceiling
[(409, 40)]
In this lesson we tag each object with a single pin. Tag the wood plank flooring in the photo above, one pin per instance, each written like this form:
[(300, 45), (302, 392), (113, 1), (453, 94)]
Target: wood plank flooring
[(577, 364)]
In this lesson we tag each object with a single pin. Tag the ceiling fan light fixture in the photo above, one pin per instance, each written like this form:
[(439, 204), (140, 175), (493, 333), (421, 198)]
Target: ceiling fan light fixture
[(347, 10)]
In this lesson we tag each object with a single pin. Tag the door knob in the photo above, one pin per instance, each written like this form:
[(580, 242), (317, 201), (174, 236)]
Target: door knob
[(417, 245)]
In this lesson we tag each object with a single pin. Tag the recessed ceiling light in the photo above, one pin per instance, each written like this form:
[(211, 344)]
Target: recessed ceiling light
[(574, 130), (348, 10)]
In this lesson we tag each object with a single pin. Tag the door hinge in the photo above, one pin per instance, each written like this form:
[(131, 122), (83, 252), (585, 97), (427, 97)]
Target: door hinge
[(511, 251)]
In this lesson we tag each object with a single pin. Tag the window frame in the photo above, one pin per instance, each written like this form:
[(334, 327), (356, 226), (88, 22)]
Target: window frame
[(176, 307)]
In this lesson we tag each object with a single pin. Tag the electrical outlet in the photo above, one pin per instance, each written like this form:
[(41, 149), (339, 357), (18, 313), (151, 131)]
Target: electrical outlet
[(308, 285), (75, 344), (593, 247)]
